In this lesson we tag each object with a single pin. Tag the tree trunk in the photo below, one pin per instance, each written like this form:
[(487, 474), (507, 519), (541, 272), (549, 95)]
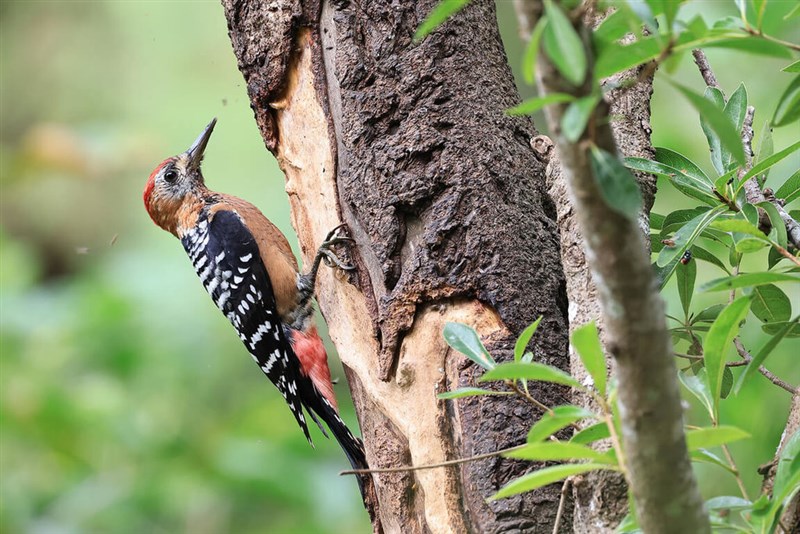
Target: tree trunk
[(410, 147)]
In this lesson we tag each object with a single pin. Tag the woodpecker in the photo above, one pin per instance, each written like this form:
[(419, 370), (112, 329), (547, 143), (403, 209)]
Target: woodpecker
[(246, 265)]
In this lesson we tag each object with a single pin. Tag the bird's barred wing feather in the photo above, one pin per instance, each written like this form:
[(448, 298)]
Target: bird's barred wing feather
[(226, 258)]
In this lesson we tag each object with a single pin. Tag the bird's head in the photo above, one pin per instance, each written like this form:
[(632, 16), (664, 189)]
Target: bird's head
[(174, 180)]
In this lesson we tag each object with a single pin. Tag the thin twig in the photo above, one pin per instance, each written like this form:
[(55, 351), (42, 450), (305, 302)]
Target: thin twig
[(698, 358), (561, 502), (735, 470), (701, 61), (432, 466), (740, 348), (759, 33)]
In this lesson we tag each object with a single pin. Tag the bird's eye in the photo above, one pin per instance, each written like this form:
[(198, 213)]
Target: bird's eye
[(170, 175)]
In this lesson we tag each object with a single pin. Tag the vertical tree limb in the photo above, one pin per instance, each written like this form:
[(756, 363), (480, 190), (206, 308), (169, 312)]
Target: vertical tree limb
[(662, 481)]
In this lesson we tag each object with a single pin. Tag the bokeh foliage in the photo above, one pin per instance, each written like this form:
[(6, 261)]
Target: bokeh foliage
[(128, 402)]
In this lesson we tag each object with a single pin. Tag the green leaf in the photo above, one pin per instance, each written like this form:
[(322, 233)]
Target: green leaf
[(792, 67), (683, 164), (560, 450), (556, 419), (573, 122), (466, 341), (684, 237), (714, 95), (728, 503), (775, 328), (470, 392), (676, 219), (727, 383), (762, 166), (591, 433), (748, 279), (708, 314), (443, 11), (617, 185), (790, 190), (563, 45), (766, 146), (770, 304), (617, 57), (795, 12), (703, 438), (787, 480), (702, 254), (758, 359), (530, 371), (656, 220), (788, 464), (524, 338), (531, 55), (704, 456), (788, 110), (686, 275), (741, 226), (698, 386), (611, 29), (778, 232), (532, 105), (717, 341), (543, 477), (735, 111), (586, 340), (718, 123), (684, 183)]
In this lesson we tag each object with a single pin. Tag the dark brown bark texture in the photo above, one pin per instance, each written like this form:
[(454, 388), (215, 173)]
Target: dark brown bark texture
[(449, 209)]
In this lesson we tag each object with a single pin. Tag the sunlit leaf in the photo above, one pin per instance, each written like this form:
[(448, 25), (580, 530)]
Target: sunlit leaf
[(543, 477), (530, 371), (792, 67), (443, 11), (739, 225), (715, 346), (559, 450), (591, 433), (466, 341), (775, 328), (524, 338), (556, 419), (586, 341), (470, 392), (683, 182), (703, 438), (778, 232)]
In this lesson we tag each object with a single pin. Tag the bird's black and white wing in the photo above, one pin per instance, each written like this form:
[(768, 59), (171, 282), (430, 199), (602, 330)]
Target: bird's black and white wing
[(226, 257)]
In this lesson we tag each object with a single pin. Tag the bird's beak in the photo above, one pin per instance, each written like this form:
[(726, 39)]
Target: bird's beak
[(195, 152)]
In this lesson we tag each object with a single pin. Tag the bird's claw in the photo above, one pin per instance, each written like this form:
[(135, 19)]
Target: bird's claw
[(328, 256)]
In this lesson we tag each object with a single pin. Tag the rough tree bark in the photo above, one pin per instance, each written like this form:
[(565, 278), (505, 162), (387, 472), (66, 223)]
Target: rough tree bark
[(409, 146)]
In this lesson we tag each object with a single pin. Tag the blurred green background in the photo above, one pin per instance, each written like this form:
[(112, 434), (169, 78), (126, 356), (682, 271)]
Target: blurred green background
[(128, 402)]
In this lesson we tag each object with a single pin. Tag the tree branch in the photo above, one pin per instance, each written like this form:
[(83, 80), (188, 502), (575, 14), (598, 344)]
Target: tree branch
[(661, 478)]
